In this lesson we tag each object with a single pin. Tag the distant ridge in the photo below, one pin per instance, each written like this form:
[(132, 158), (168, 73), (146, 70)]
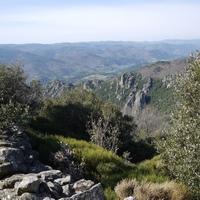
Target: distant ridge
[(74, 62)]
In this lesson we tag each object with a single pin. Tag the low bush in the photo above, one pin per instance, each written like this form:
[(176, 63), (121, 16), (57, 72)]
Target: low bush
[(110, 194), (151, 170), (125, 188), (152, 191), (161, 191), (98, 164), (44, 145)]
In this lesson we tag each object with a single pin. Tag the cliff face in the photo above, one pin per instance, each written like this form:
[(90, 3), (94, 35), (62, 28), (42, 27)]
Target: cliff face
[(170, 80), (134, 90), (131, 90), (56, 88), (137, 99)]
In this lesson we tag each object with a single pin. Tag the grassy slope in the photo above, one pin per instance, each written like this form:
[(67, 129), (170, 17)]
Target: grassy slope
[(99, 164)]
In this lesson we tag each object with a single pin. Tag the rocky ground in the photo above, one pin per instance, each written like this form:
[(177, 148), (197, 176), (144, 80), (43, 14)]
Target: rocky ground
[(24, 177)]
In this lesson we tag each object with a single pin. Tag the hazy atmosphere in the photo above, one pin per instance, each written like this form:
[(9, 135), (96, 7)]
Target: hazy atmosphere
[(53, 21)]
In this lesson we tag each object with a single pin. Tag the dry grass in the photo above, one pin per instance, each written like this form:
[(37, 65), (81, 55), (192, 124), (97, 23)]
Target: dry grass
[(125, 188), (151, 191)]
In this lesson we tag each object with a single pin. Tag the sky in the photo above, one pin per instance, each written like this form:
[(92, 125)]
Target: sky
[(56, 21)]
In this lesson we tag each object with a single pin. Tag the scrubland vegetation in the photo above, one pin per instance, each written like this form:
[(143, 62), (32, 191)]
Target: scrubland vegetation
[(113, 149)]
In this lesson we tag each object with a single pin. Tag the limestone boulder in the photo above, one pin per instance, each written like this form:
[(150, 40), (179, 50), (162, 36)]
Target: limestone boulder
[(29, 184), (9, 154), (53, 190), (82, 185), (28, 196), (94, 193), (10, 168), (63, 181), (12, 180), (50, 175)]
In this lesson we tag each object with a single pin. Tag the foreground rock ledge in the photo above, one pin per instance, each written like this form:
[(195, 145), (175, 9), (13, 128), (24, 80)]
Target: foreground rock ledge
[(24, 177)]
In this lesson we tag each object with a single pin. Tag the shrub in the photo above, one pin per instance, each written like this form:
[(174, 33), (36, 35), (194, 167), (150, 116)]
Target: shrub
[(110, 194), (152, 170), (12, 115), (125, 188), (152, 191), (64, 161), (98, 164), (161, 191), (68, 114), (44, 145), (103, 134)]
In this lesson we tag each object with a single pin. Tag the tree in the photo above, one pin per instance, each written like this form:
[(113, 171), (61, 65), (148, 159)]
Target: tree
[(111, 130), (150, 122), (34, 96), (68, 114), (104, 134), (18, 100), (180, 149), (13, 116), (12, 85)]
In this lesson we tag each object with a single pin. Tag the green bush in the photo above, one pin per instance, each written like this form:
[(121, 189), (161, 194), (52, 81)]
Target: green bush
[(152, 170), (68, 114), (105, 167), (45, 145), (110, 194), (99, 164)]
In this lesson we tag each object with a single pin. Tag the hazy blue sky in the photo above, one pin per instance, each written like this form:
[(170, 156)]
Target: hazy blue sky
[(53, 21)]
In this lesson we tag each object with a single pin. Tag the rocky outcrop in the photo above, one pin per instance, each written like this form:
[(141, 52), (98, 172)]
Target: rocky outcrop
[(137, 99), (90, 85), (126, 83), (127, 80), (170, 80), (24, 177), (134, 89), (17, 155), (56, 88)]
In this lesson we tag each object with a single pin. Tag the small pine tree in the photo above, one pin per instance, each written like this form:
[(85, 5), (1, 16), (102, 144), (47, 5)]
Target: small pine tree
[(181, 148)]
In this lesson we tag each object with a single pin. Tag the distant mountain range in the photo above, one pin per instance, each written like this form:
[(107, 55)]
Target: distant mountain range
[(75, 62)]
